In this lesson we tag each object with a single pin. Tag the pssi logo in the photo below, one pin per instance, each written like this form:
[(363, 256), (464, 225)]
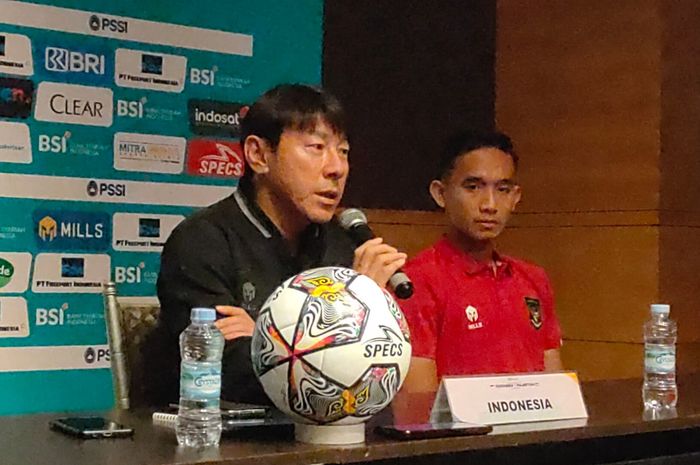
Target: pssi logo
[(91, 355), (104, 23), (108, 189)]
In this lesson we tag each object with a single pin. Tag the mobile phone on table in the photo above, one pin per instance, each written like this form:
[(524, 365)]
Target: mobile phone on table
[(433, 430), (239, 411), (91, 427)]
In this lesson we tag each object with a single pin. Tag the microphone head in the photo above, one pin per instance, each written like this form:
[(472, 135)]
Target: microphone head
[(351, 217)]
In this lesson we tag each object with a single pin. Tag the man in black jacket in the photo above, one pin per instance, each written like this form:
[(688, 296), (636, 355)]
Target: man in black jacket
[(280, 221)]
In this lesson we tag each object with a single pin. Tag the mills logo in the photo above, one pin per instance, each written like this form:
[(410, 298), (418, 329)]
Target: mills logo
[(6, 272), (215, 158), (72, 230), (47, 229)]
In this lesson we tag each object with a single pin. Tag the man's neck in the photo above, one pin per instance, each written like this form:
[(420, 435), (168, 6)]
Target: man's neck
[(481, 251), (287, 220)]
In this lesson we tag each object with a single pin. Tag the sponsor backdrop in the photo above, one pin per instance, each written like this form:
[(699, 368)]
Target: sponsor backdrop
[(116, 121)]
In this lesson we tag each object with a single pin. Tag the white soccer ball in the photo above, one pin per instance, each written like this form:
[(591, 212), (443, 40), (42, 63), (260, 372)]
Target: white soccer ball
[(331, 347)]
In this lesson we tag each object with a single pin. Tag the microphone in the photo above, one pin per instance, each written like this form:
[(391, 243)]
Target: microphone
[(355, 223)]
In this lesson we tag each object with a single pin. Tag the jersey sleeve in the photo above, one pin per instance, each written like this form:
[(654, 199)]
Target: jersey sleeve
[(420, 312), (551, 329)]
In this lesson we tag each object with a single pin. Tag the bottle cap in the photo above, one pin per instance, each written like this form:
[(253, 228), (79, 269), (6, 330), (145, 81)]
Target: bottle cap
[(203, 314), (661, 308)]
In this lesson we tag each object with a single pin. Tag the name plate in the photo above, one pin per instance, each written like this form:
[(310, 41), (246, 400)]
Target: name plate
[(502, 399)]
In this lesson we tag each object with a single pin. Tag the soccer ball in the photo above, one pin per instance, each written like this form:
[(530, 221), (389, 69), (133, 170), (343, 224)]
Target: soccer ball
[(330, 347)]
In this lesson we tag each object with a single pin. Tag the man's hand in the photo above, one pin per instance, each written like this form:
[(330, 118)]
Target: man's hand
[(378, 260), (237, 323)]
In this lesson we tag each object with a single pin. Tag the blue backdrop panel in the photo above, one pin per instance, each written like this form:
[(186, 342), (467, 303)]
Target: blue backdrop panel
[(116, 121)]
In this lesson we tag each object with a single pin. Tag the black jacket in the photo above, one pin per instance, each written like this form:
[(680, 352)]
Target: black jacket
[(229, 253)]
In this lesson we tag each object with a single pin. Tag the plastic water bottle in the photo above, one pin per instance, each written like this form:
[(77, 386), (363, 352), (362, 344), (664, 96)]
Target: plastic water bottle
[(660, 389), (201, 347)]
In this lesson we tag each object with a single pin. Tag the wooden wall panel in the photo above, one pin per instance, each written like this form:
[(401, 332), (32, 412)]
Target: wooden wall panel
[(603, 360), (577, 86), (604, 277), (680, 276)]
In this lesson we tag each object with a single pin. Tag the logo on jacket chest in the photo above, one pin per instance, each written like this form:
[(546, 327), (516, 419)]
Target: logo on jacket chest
[(533, 306), (473, 318)]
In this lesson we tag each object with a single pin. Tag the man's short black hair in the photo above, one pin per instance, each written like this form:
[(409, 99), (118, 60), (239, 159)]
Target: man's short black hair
[(290, 106), (467, 141)]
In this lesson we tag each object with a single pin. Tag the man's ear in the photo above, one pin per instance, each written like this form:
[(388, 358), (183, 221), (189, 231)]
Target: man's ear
[(517, 194), (437, 192), (257, 152)]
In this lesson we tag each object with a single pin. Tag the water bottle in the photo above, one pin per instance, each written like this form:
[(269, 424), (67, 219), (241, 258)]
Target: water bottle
[(660, 389), (201, 347)]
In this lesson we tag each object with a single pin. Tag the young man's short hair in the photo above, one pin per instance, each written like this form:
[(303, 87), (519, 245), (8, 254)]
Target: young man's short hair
[(467, 141)]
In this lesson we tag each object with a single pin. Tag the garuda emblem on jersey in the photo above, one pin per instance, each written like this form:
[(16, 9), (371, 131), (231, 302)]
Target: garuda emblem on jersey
[(533, 306)]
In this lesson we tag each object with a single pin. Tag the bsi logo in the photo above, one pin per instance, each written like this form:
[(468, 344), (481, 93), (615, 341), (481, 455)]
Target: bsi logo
[(205, 77), (51, 316), (91, 355), (54, 144), (131, 108), (108, 189), (104, 23), (128, 274)]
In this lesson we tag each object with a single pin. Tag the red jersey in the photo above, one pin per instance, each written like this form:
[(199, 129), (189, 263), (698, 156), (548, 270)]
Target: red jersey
[(472, 318)]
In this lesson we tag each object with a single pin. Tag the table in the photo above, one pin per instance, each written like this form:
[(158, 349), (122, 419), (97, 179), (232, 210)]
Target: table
[(616, 432)]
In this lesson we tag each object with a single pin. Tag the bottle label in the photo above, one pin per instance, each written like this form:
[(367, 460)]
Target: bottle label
[(200, 383), (659, 359)]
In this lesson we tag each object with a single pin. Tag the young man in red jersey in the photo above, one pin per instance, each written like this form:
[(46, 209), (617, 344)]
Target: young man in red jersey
[(475, 311)]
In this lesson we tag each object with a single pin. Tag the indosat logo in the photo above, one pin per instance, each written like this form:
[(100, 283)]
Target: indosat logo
[(214, 118), (6, 272)]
